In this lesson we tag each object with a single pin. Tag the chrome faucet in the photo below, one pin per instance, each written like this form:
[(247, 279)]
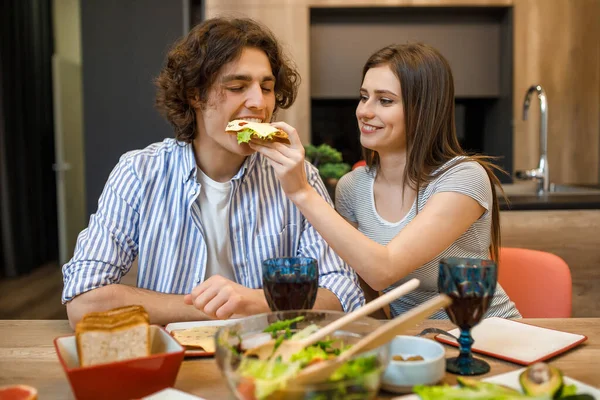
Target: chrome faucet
[(541, 173)]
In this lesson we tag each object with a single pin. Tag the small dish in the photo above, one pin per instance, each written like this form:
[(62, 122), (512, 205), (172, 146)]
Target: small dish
[(172, 394), (511, 380), (193, 324), (401, 376), (121, 380)]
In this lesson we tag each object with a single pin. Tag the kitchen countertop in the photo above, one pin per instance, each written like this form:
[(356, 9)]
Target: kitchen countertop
[(521, 196), (562, 202)]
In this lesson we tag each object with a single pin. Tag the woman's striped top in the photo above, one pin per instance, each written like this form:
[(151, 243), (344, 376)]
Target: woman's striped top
[(355, 202)]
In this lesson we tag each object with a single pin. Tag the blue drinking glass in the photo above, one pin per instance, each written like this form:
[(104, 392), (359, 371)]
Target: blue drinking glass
[(290, 283), (471, 284)]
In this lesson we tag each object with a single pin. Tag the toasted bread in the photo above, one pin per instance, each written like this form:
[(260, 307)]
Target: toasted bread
[(116, 311), (120, 313), (114, 335)]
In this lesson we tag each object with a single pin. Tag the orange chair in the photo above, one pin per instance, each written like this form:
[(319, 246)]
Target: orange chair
[(539, 283), (357, 164)]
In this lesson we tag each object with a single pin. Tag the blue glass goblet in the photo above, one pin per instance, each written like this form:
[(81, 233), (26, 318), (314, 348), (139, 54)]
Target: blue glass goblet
[(290, 283), (471, 284)]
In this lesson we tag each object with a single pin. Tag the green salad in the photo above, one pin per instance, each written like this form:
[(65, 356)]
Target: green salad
[(270, 379)]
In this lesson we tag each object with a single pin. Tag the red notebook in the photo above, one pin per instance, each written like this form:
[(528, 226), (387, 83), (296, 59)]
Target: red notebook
[(516, 341)]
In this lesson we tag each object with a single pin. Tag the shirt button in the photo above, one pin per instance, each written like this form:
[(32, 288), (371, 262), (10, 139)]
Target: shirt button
[(193, 191)]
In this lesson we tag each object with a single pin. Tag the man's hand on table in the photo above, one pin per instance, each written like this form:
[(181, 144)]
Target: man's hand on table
[(220, 298)]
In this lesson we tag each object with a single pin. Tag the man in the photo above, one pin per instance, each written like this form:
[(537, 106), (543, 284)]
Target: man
[(201, 212)]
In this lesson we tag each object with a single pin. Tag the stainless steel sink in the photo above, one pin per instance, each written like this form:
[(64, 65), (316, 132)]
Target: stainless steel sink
[(529, 188)]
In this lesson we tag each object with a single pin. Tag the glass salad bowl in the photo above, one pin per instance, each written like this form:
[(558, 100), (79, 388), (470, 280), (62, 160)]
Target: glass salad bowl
[(252, 379)]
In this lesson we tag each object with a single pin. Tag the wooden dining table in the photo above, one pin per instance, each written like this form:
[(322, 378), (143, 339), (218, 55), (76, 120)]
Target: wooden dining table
[(27, 356)]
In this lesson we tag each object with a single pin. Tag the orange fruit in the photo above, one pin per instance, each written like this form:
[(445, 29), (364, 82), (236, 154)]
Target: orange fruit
[(18, 392)]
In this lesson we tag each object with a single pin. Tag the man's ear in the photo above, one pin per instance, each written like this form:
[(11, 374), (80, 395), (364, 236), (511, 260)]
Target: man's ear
[(194, 99)]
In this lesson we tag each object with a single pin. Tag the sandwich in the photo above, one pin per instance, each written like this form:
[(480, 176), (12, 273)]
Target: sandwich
[(246, 130), (114, 335), (197, 338)]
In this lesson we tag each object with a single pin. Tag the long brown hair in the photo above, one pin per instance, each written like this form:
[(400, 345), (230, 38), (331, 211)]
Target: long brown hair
[(427, 89), (194, 62)]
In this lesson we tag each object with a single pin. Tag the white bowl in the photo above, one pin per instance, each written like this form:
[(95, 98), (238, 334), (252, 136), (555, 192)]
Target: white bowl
[(401, 376)]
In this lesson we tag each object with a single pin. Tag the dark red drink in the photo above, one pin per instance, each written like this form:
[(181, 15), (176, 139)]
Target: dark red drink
[(290, 293), (466, 312)]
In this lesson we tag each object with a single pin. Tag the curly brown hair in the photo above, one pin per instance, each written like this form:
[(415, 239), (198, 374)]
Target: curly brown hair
[(193, 63)]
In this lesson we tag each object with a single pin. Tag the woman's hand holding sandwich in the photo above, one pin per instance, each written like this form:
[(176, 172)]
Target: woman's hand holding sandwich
[(287, 161)]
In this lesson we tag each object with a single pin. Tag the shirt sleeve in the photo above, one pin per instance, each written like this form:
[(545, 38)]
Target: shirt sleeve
[(344, 197), (106, 249), (334, 274), (468, 178)]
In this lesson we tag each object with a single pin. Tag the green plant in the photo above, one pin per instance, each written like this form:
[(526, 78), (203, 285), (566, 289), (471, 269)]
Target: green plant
[(333, 171), (328, 160)]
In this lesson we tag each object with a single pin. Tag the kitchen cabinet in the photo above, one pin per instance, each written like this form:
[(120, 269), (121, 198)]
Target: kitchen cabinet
[(555, 43)]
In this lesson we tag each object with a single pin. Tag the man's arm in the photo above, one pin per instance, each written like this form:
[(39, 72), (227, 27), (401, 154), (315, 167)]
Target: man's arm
[(218, 297), (105, 252), (162, 308)]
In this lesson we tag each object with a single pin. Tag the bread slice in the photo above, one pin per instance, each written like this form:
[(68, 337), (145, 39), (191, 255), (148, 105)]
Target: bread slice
[(120, 313), (114, 335), (116, 311)]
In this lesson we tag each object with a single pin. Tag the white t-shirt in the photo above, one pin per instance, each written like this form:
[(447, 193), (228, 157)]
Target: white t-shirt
[(214, 210)]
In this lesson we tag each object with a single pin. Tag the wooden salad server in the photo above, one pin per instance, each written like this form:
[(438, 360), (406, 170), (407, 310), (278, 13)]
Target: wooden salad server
[(289, 347)]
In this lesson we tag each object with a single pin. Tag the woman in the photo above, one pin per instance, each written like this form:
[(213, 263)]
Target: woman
[(420, 198)]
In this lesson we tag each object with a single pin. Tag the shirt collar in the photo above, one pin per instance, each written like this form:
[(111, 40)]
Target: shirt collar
[(248, 164), (188, 164)]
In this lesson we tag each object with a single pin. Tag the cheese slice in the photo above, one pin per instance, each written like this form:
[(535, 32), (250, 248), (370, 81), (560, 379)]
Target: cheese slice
[(262, 130), (197, 337)]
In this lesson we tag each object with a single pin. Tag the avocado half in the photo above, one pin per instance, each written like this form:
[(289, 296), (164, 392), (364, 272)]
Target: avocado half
[(541, 379)]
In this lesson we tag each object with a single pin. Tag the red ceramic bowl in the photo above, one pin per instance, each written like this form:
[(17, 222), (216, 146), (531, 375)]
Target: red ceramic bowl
[(129, 379)]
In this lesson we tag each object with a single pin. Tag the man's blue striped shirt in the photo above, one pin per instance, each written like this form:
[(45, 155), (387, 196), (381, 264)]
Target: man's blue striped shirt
[(148, 210)]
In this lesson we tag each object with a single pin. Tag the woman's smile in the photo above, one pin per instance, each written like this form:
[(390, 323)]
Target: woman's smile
[(368, 129)]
